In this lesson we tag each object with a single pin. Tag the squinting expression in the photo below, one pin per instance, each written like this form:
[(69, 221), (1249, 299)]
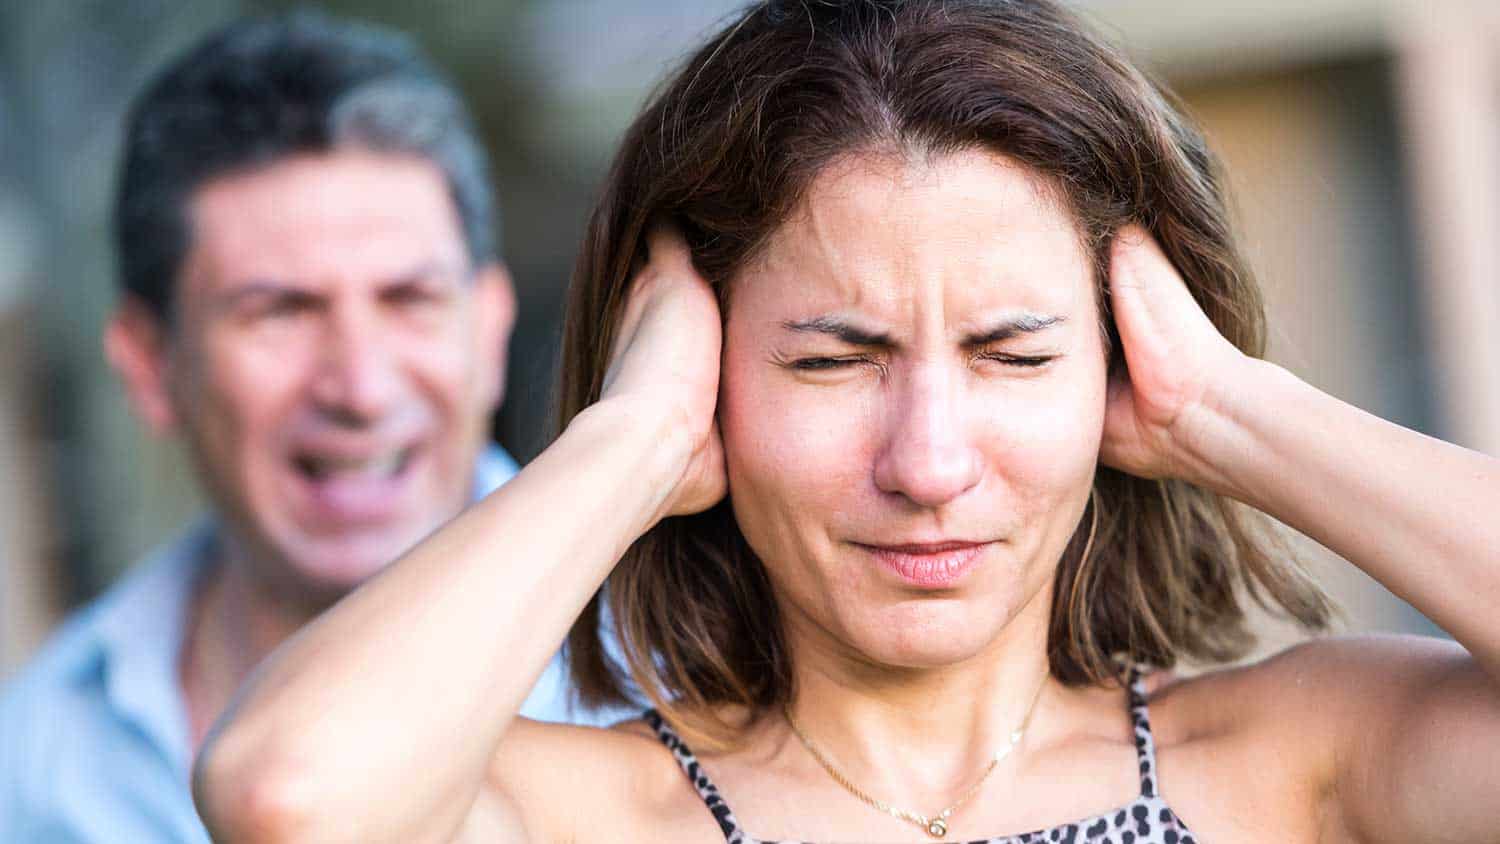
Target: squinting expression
[(334, 361), (912, 403)]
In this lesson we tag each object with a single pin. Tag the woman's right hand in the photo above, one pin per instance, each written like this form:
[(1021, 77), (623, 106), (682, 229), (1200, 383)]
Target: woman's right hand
[(665, 360)]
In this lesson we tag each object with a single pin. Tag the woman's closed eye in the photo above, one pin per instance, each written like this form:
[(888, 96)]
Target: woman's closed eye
[(827, 363), (1023, 361), (818, 364)]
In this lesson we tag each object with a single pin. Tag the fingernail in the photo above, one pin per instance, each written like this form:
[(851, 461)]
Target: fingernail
[(1133, 234)]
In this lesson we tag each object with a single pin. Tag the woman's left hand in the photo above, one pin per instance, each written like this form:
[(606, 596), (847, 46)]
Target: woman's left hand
[(1178, 367), (1386, 717)]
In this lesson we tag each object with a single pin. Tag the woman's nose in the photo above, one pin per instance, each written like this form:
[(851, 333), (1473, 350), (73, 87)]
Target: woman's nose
[(928, 456)]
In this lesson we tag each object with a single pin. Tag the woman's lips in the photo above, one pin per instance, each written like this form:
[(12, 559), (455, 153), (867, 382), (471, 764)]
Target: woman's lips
[(939, 565)]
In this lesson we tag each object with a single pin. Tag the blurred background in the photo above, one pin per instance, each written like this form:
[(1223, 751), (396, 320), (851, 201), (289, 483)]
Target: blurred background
[(1362, 140)]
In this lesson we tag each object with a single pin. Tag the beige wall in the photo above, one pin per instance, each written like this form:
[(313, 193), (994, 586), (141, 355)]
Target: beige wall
[(1368, 191), (1302, 170), (28, 582), (28, 587), (1449, 87)]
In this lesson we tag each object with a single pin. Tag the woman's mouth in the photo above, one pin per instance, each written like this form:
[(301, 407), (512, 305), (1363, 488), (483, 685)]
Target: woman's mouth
[(929, 565)]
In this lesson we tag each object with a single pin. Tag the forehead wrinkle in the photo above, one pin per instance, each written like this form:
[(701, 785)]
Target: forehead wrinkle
[(859, 220), (992, 261), (949, 260), (811, 253), (829, 241), (882, 233)]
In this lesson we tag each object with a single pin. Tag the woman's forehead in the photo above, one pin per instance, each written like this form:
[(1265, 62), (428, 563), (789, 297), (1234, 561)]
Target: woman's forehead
[(886, 234)]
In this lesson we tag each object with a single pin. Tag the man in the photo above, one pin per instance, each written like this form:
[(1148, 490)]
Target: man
[(311, 300)]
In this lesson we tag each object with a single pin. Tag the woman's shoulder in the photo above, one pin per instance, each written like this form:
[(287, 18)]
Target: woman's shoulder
[(571, 782), (1256, 751), (1302, 705), (1316, 673)]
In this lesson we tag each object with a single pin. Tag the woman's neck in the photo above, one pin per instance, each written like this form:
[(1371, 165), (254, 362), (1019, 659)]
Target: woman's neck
[(920, 735)]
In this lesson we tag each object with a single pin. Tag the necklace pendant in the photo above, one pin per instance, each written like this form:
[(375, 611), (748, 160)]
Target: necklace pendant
[(937, 828)]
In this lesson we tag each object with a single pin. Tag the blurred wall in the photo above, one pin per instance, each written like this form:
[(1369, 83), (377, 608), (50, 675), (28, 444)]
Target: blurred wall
[(83, 490), (1361, 141), (1340, 121), (1314, 162), (26, 595)]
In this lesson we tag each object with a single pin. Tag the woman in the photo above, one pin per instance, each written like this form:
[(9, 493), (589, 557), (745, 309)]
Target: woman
[(927, 266)]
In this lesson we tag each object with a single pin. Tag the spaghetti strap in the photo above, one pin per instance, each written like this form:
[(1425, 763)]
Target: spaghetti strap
[(1145, 820), (1145, 744), (706, 789)]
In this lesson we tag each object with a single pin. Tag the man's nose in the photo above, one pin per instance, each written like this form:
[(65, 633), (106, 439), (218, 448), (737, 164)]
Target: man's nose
[(929, 456), (357, 378)]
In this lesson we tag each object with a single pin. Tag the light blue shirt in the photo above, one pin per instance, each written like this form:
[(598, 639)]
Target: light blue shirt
[(94, 735)]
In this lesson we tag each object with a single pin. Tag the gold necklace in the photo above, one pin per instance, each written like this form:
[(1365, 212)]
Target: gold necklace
[(935, 825)]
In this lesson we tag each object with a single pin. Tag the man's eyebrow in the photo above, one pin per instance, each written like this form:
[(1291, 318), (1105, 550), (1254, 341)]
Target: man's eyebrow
[(1011, 327), (839, 328), (264, 288), (417, 273), (434, 270)]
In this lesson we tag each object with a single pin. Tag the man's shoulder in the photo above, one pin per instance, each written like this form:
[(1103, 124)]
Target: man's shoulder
[(69, 670), (41, 708), (65, 661), (66, 674), (64, 741)]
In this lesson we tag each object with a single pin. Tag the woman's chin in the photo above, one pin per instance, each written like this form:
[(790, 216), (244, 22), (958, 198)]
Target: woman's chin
[(916, 642)]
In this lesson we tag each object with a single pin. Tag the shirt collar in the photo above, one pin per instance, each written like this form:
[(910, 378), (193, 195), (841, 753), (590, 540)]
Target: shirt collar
[(141, 628), (142, 623), (493, 468)]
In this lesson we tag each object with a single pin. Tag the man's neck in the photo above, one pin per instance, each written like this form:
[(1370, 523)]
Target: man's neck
[(234, 622)]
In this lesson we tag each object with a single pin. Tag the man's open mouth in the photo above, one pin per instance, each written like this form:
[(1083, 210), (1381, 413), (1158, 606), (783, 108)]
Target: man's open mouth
[(379, 466)]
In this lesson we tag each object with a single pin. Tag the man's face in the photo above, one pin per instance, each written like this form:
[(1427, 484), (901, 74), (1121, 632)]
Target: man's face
[(333, 362)]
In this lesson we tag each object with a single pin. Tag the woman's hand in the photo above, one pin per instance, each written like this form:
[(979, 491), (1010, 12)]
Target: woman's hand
[(665, 359), (1178, 367)]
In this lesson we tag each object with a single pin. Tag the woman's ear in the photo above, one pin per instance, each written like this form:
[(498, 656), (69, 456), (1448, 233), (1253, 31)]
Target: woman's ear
[(135, 344)]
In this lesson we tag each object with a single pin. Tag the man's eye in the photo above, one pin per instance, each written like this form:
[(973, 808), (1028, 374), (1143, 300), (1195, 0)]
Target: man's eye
[(413, 296), (282, 307)]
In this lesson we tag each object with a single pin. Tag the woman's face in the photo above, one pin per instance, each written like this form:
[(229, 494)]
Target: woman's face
[(912, 401)]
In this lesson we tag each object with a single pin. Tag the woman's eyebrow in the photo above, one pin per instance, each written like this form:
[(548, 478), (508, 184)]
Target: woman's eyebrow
[(1005, 329), (1012, 326), (839, 328)]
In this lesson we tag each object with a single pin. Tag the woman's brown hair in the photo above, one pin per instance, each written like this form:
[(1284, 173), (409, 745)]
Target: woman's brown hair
[(726, 150)]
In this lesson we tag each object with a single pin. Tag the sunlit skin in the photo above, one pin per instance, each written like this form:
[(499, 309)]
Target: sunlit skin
[(911, 405), (332, 362), (910, 479)]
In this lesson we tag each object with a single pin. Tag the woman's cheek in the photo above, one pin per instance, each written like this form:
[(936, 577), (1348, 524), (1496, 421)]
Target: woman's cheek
[(793, 439), (1047, 444)]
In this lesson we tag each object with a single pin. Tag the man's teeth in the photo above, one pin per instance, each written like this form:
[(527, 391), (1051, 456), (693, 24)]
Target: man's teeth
[(376, 467)]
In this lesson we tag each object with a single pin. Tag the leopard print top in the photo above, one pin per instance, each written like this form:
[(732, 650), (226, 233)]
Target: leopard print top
[(1145, 820)]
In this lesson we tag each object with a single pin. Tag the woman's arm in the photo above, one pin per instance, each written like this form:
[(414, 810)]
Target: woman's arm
[(381, 719), (1419, 515)]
